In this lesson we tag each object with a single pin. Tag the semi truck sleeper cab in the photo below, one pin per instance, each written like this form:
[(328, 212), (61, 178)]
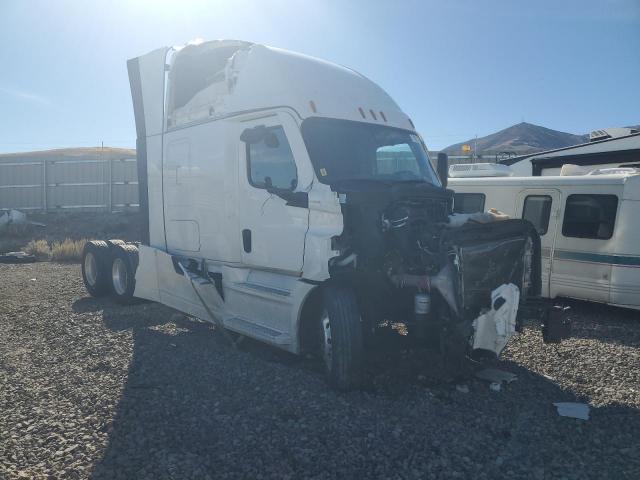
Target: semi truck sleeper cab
[(291, 200)]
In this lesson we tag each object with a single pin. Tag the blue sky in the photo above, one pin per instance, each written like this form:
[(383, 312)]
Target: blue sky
[(458, 68)]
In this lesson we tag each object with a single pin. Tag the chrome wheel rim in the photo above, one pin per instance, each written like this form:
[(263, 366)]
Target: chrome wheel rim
[(90, 268), (119, 276), (327, 347)]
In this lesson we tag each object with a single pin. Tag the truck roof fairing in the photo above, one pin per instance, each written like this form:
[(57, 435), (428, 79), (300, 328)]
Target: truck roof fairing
[(224, 77)]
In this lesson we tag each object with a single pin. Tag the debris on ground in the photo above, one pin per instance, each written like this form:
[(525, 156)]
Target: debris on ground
[(462, 388), (573, 410), (16, 217), (53, 227), (495, 386), (17, 257), (496, 376)]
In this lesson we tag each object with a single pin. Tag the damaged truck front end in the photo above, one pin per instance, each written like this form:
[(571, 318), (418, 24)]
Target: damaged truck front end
[(456, 286)]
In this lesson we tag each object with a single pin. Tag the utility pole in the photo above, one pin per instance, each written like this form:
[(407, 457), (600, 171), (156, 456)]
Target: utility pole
[(475, 149)]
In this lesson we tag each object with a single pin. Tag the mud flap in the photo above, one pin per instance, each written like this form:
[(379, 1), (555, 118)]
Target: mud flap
[(556, 325)]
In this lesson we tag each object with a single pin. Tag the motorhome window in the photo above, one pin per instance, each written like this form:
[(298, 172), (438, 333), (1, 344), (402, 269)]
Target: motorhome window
[(537, 209), (590, 216), (344, 150), (468, 202), (270, 161)]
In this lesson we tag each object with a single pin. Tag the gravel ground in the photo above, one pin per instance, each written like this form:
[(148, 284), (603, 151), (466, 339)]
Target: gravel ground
[(92, 389)]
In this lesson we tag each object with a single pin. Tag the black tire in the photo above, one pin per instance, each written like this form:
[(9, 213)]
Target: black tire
[(115, 242), (345, 364), (122, 274), (96, 262)]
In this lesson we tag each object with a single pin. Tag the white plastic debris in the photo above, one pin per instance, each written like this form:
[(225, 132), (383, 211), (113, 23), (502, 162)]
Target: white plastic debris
[(494, 328), (12, 216), (462, 388), (496, 376), (15, 216), (495, 386), (573, 410)]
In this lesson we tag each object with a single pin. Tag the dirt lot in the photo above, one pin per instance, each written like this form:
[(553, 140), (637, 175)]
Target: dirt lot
[(92, 389)]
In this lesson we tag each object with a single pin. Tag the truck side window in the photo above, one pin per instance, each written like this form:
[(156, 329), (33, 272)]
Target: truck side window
[(537, 209), (468, 202), (270, 162), (590, 216)]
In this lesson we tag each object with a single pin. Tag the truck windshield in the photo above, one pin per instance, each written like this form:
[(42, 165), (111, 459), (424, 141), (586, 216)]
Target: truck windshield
[(343, 150)]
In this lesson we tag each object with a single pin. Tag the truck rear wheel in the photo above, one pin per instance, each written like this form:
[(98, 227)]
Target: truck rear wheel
[(116, 242), (123, 272), (95, 267), (341, 338)]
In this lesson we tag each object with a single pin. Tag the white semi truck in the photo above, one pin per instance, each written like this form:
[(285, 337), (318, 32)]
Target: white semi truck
[(290, 200)]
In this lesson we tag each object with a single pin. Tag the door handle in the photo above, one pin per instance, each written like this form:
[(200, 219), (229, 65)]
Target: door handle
[(246, 240)]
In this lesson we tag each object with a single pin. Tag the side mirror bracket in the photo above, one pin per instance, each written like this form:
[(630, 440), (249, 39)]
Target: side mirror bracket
[(443, 169)]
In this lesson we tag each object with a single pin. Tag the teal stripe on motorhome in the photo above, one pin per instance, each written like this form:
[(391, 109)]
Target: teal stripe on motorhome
[(624, 260)]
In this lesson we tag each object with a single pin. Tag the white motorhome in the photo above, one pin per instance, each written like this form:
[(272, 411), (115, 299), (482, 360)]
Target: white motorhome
[(607, 148), (291, 200), (589, 227)]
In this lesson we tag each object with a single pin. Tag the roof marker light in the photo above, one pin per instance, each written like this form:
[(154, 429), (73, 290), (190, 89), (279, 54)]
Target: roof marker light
[(361, 112), (373, 114), (313, 106), (382, 115)]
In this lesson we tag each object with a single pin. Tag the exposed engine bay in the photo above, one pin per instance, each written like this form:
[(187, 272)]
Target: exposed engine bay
[(410, 265)]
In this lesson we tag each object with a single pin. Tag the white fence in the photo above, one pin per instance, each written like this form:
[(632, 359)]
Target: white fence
[(49, 184), (89, 182)]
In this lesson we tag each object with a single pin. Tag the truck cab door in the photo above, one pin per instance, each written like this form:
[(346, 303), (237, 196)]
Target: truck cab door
[(275, 175), (542, 208)]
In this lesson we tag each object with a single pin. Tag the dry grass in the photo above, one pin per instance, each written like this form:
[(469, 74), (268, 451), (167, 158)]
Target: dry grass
[(14, 236), (39, 248), (67, 250)]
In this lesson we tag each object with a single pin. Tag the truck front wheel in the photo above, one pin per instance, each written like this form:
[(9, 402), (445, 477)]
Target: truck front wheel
[(341, 342)]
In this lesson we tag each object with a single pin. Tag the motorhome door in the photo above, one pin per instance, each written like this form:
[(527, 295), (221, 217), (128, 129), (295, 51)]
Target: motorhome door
[(273, 214), (542, 208), (584, 242)]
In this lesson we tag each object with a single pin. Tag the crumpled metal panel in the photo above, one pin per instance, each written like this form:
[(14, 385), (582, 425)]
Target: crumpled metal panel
[(486, 266)]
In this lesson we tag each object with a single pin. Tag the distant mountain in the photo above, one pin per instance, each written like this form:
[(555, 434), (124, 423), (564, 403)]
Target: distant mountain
[(521, 138)]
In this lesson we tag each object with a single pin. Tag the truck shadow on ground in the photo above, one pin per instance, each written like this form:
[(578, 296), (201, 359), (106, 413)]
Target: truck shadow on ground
[(193, 406)]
